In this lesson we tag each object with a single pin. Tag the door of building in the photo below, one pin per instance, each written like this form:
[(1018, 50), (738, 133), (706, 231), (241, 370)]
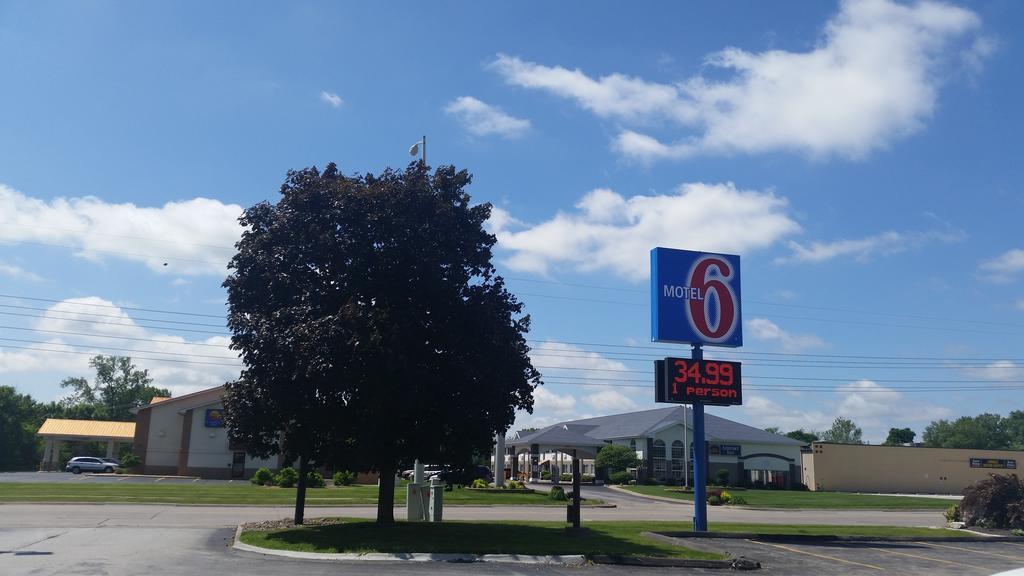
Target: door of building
[(237, 464)]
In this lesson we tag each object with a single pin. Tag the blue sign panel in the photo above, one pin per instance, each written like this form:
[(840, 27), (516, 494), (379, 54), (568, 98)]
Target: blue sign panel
[(695, 298), (214, 417)]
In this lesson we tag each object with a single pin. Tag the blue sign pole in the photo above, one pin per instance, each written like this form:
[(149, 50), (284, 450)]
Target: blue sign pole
[(700, 473)]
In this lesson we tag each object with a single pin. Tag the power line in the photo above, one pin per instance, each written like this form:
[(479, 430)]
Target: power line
[(96, 315), (123, 351), (93, 335), (220, 316), (134, 357), (131, 325)]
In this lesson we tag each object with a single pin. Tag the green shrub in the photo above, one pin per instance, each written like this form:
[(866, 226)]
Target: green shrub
[(514, 485), (286, 478), (1017, 532), (714, 501), (314, 479), (262, 477), (557, 493), (586, 478), (725, 497), (995, 502), (738, 501), (723, 477), (566, 477), (545, 475), (128, 460), (953, 514), (800, 486), (344, 478), (480, 483), (622, 477)]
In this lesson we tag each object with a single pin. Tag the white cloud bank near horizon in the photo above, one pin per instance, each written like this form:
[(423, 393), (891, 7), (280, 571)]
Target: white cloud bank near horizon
[(610, 232), (193, 237), (872, 78)]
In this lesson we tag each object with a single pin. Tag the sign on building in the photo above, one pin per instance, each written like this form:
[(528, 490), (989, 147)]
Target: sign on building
[(1000, 463), (695, 298)]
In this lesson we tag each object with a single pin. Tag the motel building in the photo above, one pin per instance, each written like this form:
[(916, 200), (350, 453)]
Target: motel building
[(662, 440)]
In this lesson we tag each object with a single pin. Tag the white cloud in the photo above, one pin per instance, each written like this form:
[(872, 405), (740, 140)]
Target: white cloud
[(180, 282), (546, 401), (188, 237), (763, 413), (1003, 267), (331, 99), (872, 78), (876, 407), (481, 119), (611, 232), (18, 273), (92, 325), (610, 401), (768, 331), (998, 370), (886, 243)]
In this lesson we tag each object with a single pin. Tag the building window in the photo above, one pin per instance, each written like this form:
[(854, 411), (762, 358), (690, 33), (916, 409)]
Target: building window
[(658, 454), (677, 459)]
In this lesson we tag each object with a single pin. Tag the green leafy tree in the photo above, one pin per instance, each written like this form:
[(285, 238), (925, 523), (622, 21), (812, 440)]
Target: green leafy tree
[(773, 430), (117, 388), (1013, 424), (899, 437), (843, 431), (616, 458), (20, 417), (806, 437), (373, 327), (981, 432)]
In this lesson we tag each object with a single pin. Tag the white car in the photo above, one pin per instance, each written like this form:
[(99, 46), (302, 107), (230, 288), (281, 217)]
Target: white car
[(80, 464)]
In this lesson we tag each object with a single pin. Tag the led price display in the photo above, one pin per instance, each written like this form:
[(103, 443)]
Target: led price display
[(686, 381)]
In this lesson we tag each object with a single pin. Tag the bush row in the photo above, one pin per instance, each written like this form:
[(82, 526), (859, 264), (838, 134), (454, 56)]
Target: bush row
[(287, 478)]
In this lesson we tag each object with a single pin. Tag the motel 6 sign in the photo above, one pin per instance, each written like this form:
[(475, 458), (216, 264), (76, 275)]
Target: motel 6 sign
[(695, 298)]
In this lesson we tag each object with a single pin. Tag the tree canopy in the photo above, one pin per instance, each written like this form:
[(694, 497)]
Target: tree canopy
[(805, 437), (899, 437), (118, 387), (843, 431), (616, 458), (373, 327), (982, 432)]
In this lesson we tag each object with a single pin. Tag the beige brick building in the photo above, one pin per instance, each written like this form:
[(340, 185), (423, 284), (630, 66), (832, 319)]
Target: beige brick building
[(903, 469)]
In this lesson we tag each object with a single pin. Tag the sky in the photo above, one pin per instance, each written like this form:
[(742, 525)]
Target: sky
[(862, 157)]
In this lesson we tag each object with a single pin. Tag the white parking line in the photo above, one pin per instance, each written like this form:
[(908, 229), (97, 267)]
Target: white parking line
[(788, 549), (971, 566), (993, 554)]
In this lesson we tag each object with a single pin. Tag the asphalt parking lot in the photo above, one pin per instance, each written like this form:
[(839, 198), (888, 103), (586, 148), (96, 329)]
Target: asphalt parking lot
[(88, 477), (896, 558)]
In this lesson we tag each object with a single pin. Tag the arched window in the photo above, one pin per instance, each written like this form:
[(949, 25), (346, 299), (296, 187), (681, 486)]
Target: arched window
[(658, 455), (677, 459)]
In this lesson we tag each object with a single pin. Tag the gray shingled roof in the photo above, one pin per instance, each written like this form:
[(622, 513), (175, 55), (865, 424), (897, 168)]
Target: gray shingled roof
[(646, 422)]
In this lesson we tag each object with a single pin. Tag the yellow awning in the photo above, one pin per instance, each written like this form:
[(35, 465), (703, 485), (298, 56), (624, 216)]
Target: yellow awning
[(124, 431)]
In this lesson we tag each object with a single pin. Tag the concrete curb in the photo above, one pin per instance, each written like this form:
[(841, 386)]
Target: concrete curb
[(767, 508), (568, 560), (678, 538)]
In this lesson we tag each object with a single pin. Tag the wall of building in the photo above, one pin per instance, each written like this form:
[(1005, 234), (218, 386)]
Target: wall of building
[(859, 468), (164, 442)]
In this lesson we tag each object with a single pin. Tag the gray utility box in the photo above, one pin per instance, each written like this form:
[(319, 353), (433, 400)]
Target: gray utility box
[(436, 500)]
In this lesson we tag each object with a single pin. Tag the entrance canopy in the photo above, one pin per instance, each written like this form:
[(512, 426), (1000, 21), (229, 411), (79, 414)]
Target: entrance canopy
[(559, 438), (57, 430)]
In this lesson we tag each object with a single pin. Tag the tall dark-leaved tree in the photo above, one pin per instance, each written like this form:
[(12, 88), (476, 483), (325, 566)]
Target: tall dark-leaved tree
[(373, 327)]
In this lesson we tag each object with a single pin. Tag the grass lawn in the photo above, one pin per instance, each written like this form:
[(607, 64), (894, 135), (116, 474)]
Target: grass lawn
[(811, 500), (545, 538), (239, 493)]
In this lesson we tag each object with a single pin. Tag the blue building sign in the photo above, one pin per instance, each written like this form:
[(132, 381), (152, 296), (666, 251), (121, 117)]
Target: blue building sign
[(695, 298)]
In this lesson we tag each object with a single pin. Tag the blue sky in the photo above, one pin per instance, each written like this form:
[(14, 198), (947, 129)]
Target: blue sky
[(862, 157)]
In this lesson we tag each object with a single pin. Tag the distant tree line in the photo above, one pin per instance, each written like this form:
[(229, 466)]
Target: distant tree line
[(118, 386), (981, 432)]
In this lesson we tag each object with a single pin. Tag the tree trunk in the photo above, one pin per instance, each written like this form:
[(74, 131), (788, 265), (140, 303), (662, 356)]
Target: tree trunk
[(386, 495), (300, 491)]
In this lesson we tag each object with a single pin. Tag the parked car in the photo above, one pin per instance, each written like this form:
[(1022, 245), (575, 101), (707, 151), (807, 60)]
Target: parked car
[(80, 464), (462, 476), (111, 461)]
